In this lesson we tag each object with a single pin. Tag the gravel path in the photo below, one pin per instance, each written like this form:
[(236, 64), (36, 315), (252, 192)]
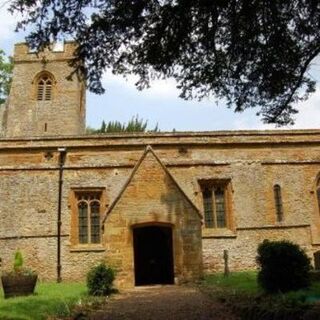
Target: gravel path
[(163, 302)]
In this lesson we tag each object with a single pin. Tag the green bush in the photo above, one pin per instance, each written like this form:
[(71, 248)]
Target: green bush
[(284, 266), (18, 261), (100, 279)]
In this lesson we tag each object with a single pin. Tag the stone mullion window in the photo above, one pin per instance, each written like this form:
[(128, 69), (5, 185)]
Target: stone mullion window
[(94, 222), (214, 203), (83, 221), (208, 208), (278, 202), (220, 208), (89, 218)]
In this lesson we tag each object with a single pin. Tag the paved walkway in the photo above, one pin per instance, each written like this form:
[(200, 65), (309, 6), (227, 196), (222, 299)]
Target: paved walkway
[(163, 302)]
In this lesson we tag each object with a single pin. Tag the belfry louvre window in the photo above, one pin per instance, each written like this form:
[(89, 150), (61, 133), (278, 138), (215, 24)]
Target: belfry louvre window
[(44, 92), (278, 202), (89, 224), (214, 205)]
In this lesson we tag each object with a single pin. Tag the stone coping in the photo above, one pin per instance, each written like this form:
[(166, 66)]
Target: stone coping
[(214, 138), (279, 132)]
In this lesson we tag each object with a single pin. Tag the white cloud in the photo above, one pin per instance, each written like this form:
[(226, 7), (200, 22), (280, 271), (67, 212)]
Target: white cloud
[(159, 88), (7, 21), (165, 90), (309, 112), (307, 118)]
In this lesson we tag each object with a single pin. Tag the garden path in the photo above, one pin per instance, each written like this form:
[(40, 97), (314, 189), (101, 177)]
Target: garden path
[(165, 303)]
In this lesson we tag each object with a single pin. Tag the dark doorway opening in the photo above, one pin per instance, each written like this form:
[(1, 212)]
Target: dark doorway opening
[(153, 255), (316, 257)]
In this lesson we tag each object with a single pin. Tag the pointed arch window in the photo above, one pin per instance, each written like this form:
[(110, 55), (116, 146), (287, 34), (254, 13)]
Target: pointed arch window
[(44, 88), (89, 222), (278, 202)]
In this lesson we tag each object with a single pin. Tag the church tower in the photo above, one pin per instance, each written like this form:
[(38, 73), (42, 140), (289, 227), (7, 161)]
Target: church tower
[(42, 102)]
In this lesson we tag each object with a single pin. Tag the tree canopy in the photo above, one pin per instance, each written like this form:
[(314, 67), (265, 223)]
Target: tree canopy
[(5, 76), (251, 53)]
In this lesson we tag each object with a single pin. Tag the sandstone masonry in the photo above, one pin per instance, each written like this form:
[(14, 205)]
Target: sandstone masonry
[(143, 180), (27, 115)]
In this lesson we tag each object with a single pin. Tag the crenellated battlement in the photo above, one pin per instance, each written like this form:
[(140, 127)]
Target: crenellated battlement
[(55, 52)]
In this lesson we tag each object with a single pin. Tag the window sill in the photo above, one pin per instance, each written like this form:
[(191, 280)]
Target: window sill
[(218, 233), (87, 248)]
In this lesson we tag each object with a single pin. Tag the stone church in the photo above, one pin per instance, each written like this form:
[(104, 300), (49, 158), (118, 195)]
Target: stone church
[(158, 207)]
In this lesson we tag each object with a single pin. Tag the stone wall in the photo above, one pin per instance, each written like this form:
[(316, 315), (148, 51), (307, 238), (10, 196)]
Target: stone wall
[(63, 114), (253, 161), (242, 248), (151, 197)]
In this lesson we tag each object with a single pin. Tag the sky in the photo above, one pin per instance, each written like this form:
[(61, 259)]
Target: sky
[(161, 105)]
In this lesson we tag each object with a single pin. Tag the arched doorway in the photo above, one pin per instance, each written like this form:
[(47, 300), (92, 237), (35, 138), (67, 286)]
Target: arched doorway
[(153, 255)]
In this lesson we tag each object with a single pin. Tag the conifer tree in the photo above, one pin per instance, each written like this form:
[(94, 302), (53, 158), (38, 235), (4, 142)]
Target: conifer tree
[(135, 124)]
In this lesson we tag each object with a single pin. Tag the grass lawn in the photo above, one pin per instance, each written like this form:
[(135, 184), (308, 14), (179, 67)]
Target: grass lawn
[(245, 283), (50, 299), (236, 282), (242, 293)]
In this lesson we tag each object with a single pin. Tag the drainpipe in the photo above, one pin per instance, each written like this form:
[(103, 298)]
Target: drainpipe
[(62, 158)]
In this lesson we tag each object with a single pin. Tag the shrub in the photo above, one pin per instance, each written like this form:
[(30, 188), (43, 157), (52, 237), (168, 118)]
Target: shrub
[(284, 266), (100, 279), (18, 261), (18, 267)]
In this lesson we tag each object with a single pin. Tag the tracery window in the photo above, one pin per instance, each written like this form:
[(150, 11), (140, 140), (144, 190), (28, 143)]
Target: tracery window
[(278, 202), (89, 224), (214, 197), (44, 88)]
